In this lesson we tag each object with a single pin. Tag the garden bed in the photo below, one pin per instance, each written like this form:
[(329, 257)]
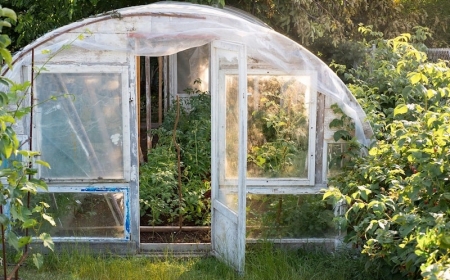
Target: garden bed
[(175, 235)]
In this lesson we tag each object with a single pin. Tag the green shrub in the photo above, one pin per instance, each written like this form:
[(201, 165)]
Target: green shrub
[(398, 196)]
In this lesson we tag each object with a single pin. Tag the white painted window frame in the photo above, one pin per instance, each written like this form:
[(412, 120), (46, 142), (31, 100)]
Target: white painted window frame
[(94, 69), (285, 185)]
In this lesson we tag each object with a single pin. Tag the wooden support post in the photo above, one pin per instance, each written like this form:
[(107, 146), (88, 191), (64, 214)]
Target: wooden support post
[(319, 138), (138, 95), (160, 89), (148, 103)]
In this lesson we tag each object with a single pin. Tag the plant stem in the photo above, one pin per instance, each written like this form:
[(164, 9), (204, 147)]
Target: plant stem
[(3, 247)]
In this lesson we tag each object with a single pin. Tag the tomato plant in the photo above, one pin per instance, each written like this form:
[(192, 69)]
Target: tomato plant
[(159, 197)]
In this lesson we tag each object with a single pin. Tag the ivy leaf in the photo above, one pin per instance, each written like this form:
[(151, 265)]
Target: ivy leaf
[(49, 219), (342, 134), (38, 260), (29, 223), (47, 239), (24, 240), (43, 163), (40, 184), (4, 220), (6, 55), (336, 123), (12, 240), (29, 187)]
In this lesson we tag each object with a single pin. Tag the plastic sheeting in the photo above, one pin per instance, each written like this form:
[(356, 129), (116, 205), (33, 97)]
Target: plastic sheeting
[(81, 135), (165, 28)]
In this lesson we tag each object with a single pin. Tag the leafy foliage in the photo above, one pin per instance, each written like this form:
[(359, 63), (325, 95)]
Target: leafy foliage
[(321, 25), (288, 216), (398, 196), (158, 177), (18, 166)]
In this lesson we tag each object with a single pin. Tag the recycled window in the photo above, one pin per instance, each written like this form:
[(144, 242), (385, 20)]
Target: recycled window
[(80, 125), (281, 115), (336, 158), (281, 137), (289, 216), (93, 215), (278, 126)]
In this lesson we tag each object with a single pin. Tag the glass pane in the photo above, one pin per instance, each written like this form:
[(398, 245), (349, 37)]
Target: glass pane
[(336, 158), (278, 126), (230, 126), (85, 214), (289, 216), (80, 131)]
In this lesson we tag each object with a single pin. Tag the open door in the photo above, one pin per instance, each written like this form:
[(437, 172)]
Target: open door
[(229, 151)]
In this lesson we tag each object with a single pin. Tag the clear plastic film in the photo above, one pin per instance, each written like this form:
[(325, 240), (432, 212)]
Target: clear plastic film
[(166, 28)]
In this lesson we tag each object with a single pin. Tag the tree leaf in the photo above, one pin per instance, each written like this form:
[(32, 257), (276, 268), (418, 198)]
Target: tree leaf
[(400, 109), (415, 78)]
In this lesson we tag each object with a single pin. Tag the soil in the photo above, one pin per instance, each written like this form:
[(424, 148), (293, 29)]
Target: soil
[(175, 236), (199, 236)]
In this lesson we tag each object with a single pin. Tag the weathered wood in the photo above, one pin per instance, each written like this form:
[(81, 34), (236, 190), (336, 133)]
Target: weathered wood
[(320, 116), (160, 90), (173, 228), (148, 102), (138, 105), (133, 184), (77, 55)]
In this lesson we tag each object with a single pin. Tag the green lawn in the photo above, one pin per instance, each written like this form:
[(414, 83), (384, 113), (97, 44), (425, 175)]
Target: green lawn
[(261, 263)]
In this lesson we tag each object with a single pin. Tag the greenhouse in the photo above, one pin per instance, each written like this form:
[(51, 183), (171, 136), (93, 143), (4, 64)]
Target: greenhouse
[(175, 116)]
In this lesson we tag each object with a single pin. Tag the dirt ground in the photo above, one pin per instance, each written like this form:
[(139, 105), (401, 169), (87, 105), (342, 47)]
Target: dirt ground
[(200, 236)]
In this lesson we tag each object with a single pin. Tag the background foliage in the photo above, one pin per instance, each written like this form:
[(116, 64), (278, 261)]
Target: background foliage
[(327, 27)]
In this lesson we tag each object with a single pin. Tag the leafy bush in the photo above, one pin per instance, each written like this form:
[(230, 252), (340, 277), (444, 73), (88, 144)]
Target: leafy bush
[(398, 197)]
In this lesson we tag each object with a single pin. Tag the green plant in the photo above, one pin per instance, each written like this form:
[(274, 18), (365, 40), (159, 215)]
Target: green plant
[(288, 216), (158, 185), (158, 177), (263, 261), (398, 196), (18, 166)]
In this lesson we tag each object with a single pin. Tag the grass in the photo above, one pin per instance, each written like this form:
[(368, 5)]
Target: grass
[(261, 263)]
